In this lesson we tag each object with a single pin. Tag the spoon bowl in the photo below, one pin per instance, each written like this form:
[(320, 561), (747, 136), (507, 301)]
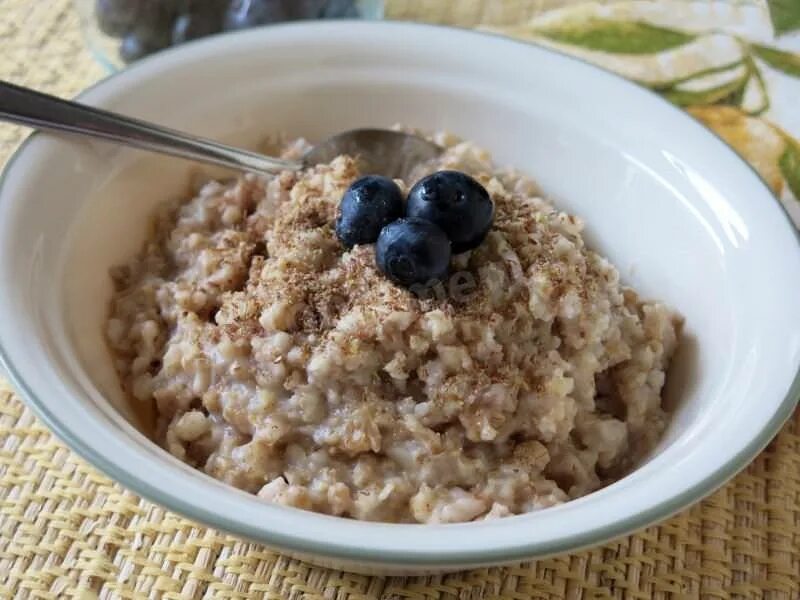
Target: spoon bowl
[(381, 151)]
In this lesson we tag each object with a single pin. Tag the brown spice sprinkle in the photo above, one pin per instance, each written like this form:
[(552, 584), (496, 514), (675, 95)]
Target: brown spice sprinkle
[(288, 366)]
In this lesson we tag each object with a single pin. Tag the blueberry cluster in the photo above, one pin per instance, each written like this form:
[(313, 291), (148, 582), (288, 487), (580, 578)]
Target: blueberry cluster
[(445, 213), (146, 26)]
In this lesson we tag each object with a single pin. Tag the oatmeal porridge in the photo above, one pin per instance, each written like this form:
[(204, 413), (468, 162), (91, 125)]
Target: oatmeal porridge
[(287, 365)]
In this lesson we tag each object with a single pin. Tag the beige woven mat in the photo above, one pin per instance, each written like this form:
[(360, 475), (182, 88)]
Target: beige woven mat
[(68, 531)]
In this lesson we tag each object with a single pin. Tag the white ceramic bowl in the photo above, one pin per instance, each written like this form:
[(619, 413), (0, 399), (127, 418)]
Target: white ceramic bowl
[(673, 207)]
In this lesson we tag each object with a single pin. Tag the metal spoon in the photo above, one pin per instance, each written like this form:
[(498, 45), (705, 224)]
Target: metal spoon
[(380, 151)]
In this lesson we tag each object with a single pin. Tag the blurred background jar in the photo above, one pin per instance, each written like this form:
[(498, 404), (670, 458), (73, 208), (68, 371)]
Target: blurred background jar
[(121, 31)]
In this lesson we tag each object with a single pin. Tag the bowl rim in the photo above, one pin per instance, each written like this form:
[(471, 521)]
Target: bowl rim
[(410, 557)]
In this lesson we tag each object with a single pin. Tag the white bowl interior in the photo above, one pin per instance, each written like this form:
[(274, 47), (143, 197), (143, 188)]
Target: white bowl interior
[(681, 217)]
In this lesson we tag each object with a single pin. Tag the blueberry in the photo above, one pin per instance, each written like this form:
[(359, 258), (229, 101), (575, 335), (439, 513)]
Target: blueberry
[(136, 45), (152, 30), (455, 202), (116, 17), (242, 14), (309, 9), (251, 13), (368, 205), (143, 40), (199, 20), (339, 9), (413, 251)]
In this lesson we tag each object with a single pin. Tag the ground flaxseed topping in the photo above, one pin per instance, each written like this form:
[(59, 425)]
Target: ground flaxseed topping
[(290, 367)]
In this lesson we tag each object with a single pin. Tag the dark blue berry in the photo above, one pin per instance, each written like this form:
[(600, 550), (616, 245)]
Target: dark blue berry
[(138, 44), (200, 20), (250, 13), (152, 30), (309, 9), (339, 9), (455, 202), (242, 14), (368, 205), (116, 17), (413, 251)]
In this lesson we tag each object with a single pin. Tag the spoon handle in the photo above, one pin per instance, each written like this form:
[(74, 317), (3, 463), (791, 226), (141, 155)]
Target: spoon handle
[(41, 111)]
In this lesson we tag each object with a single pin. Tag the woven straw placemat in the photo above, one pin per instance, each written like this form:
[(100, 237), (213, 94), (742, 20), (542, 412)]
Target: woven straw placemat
[(68, 531)]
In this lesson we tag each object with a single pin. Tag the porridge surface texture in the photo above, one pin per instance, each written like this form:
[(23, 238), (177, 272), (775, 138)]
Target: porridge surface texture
[(290, 367)]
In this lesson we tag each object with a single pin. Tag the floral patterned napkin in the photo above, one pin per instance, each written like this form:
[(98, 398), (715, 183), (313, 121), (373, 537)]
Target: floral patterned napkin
[(733, 64)]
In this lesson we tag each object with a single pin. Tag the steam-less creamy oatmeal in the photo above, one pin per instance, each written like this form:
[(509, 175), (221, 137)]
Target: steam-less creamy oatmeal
[(288, 366)]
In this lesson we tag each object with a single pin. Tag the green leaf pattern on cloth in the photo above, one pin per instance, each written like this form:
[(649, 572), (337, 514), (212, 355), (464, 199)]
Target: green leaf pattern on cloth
[(664, 46), (785, 62), (726, 93), (790, 166), (617, 36), (785, 15)]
